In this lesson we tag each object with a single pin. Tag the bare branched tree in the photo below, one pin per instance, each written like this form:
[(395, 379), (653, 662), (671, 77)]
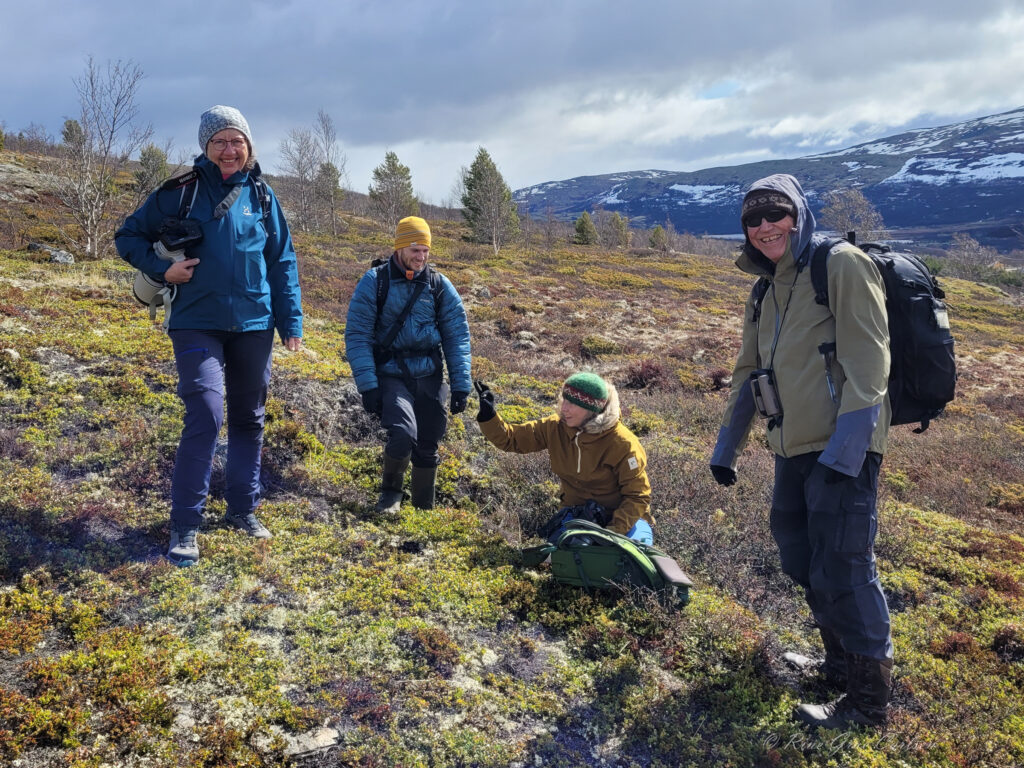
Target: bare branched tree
[(332, 173), (300, 159), (94, 156), (968, 258), (847, 210)]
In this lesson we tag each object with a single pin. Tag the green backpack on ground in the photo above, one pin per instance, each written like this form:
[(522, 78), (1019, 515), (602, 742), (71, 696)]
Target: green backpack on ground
[(589, 556)]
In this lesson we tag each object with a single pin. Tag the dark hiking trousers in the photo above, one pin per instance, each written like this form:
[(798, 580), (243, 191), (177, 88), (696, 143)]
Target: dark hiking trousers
[(416, 418), (214, 367), (826, 535)]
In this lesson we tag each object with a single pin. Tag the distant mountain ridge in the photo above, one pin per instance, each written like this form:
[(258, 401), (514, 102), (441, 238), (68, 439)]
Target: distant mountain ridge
[(962, 177)]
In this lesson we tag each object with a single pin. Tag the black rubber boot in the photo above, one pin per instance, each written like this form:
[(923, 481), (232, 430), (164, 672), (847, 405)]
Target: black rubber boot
[(391, 485), (866, 701), (423, 487)]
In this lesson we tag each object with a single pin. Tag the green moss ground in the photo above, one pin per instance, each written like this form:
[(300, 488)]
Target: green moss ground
[(419, 641)]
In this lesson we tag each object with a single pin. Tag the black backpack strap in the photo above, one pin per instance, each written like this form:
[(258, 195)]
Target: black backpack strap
[(819, 269), (383, 268), (436, 289), (264, 197), (383, 350), (757, 293)]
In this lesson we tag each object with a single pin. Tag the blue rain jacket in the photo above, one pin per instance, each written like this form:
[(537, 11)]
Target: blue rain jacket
[(247, 278), (422, 333)]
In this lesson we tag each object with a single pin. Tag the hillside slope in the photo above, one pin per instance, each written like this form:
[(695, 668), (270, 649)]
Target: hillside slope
[(350, 640), (960, 177)]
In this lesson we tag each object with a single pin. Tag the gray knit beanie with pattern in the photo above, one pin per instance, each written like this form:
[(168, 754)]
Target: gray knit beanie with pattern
[(216, 119)]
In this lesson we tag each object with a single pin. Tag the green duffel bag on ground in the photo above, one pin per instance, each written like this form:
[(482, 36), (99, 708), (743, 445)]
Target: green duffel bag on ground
[(589, 556)]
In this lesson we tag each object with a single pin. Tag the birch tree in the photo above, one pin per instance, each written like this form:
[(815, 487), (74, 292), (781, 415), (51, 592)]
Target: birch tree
[(847, 210), (94, 155), (300, 159)]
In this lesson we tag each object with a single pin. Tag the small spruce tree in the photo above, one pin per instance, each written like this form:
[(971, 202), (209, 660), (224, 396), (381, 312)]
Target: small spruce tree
[(659, 239), (391, 194), (586, 232), (487, 202), (619, 229)]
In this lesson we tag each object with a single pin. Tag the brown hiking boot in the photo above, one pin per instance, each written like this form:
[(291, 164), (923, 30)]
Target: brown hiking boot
[(865, 703)]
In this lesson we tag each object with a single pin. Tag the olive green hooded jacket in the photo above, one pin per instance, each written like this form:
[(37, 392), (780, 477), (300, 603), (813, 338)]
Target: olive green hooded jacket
[(602, 461), (787, 338)]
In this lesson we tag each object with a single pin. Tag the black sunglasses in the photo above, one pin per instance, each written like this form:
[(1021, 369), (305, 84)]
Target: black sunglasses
[(754, 219)]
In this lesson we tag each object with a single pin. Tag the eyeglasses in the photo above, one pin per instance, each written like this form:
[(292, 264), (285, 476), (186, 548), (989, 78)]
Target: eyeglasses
[(221, 144), (773, 215)]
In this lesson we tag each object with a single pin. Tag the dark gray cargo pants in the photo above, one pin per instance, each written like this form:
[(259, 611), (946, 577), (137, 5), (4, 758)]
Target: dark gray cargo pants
[(826, 536)]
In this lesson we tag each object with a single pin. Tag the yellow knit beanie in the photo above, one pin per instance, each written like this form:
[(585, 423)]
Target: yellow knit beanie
[(412, 230)]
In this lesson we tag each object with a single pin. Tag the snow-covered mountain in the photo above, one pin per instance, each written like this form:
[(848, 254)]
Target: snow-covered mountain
[(963, 177)]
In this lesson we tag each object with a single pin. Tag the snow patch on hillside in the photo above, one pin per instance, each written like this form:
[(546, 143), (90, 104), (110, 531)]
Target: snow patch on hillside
[(612, 196), (706, 194), (937, 170)]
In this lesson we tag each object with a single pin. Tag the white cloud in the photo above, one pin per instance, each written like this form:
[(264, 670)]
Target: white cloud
[(553, 90)]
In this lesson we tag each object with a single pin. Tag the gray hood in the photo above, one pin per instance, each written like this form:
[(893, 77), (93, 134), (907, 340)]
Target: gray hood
[(799, 240)]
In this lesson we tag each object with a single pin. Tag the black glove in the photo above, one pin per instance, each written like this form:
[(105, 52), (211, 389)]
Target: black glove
[(459, 400), (487, 411), (371, 401), (723, 475), (834, 476)]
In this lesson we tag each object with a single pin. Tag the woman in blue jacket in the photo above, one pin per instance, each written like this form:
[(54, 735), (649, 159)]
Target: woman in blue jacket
[(233, 288)]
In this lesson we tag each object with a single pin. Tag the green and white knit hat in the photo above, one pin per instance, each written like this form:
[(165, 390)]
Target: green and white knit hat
[(587, 390)]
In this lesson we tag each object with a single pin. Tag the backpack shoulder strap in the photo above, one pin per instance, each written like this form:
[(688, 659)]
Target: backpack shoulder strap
[(436, 289), (264, 196), (757, 293), (383, 282), (819, 269)]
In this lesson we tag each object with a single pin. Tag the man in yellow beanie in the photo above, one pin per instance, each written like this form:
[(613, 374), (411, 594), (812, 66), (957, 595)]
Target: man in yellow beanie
[(403, 320)]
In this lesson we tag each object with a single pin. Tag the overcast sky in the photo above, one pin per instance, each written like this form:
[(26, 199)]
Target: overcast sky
[(552, 89)]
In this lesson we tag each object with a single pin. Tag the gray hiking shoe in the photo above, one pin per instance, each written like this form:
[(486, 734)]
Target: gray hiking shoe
[(184, 550), (249, 523)]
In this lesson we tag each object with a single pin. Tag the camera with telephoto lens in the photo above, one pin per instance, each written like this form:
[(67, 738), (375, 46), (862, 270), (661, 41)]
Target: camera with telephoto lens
[(766, 397), (179, 234)]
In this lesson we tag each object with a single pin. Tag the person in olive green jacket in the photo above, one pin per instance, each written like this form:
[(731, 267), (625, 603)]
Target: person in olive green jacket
[(826, 368), (594, 454)]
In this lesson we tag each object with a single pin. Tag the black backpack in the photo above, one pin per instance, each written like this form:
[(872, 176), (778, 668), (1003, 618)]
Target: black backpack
[(922, 373)]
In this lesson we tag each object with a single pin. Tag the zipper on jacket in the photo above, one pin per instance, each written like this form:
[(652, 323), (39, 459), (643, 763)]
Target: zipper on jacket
[(579, 453)]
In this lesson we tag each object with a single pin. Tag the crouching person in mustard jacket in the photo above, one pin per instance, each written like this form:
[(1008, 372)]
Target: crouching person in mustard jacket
[(602, 466)]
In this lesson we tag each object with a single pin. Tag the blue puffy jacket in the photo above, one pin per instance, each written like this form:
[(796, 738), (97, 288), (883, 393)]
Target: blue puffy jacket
[(247, 278), (422, 333)]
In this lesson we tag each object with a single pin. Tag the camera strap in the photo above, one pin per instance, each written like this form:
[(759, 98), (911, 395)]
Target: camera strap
[(185, 208)]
